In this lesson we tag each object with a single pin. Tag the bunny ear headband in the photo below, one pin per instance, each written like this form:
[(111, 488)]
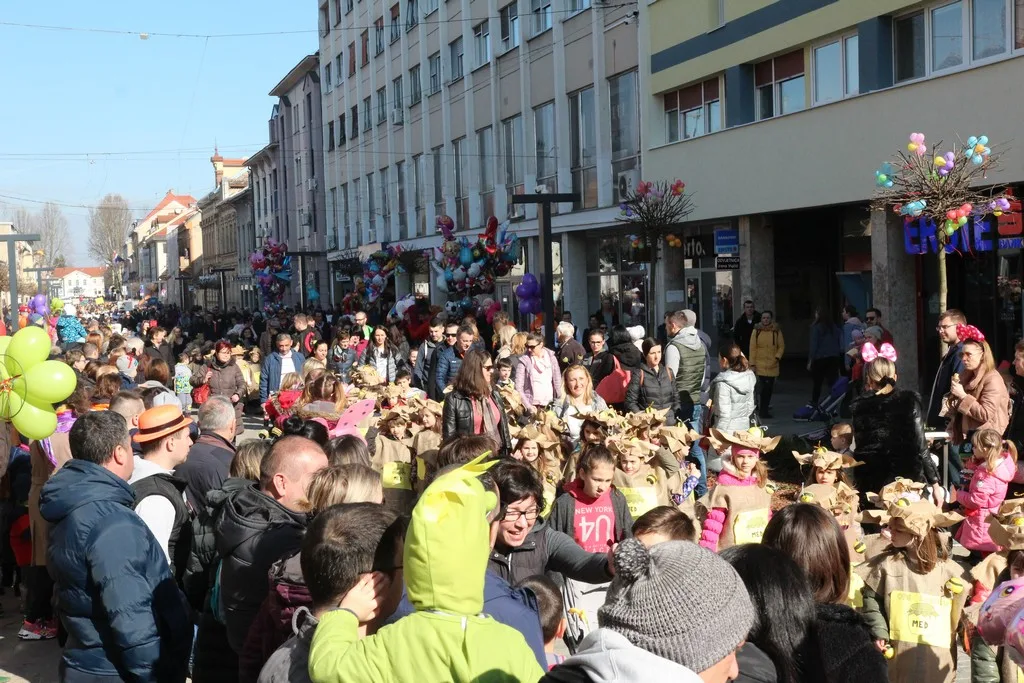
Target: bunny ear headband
[(869, 353)]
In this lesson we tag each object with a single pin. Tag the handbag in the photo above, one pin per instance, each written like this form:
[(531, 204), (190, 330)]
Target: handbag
[(613, 387), (201, 394)]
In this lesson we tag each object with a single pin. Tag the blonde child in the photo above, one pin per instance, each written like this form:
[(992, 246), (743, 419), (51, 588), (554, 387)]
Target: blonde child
[(531, 445), (738, 508), (994, 465), (427, 440), (842, 438), (914, 594), (392, 457), (645, 473)]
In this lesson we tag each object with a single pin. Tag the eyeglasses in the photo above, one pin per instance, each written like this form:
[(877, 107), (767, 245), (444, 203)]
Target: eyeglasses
[(514, 515), (531, 347), (871, 319), (451, 336)]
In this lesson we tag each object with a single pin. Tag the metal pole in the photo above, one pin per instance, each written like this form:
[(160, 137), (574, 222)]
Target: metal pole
[(12, 276), (545, 275), (223, 294)]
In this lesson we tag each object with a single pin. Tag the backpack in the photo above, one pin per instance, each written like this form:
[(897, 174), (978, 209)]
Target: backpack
[(613, 387)]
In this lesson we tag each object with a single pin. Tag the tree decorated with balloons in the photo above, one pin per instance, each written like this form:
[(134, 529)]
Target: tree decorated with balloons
[(940, 186), (272, 268), (30, 385), (465, 269)]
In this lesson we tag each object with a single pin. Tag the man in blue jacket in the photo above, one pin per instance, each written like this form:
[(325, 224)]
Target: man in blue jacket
[(450, 360), (125, 617), (278, 364)]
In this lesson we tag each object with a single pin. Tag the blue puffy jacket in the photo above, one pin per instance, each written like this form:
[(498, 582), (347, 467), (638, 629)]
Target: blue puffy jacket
[(123, 611), (448, 364), (270, 375)]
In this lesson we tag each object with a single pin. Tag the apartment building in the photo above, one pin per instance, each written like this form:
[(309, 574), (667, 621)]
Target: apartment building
[(776, 114), (223, 210), (78, 283), (146, 246), (450, 107)]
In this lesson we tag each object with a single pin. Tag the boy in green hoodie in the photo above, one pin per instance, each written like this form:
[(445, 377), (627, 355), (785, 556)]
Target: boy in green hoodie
[(447, 638)]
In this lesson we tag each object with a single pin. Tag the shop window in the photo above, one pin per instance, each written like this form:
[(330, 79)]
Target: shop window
[(780, 85), (625, 123)]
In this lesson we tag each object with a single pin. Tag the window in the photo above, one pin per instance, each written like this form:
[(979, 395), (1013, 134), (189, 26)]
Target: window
[(337, 12), (327, 77), (438, 173), (341, 130), (512, 153), (415, 86), (352, 59), (399, 103), (337, 67), (693, 111), (335, 209), (330, 135), (385, 202), (547, 169), (348, 6), (780, 85), (378, 36), (325, 20), (578, 5), (382, 105), (947, 36), (355, 122), (358, 232), (435, 73), (988, 28), (344, 214), (509, 15), (364, 39), (455, 59), (371, 198), (625, 123), (583, 147), (396, 22), (836, 70), (367, 114), (403, 224), (482, 43), (412, 15), (1018, 24), (485, 154), (417, 189), (461, 194), (909, 38), (295, 118), (429, 6), (541, 15)]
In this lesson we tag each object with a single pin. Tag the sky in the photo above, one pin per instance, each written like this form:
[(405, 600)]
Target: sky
[(89, 113)]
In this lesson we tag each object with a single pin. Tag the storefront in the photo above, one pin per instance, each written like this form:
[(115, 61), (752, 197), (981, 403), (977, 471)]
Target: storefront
[(617, 280)]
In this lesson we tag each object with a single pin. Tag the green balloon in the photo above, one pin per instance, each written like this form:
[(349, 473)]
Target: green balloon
[(10, 403), (29, 346), (48, 382), (35, 422), (4, 343)]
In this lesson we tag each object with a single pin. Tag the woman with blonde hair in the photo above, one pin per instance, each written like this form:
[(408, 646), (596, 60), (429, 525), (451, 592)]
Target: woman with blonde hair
[(246, 462), (978, 399), (344, 484), (503, 340), (580, 398)]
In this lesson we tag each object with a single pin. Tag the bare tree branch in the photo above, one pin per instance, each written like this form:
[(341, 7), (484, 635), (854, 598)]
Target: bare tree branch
[(53, 233), (108, 227)]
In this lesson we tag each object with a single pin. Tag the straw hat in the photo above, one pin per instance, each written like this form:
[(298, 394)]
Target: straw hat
[(677, 438), (919, 518), (622, 445), (825, 459), (419, 403), (901, 489), (752, 438), (158, 422)]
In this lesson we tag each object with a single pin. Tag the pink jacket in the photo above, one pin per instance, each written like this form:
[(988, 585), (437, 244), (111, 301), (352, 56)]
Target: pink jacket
[(715, 521), (984, 496), (525, 377)]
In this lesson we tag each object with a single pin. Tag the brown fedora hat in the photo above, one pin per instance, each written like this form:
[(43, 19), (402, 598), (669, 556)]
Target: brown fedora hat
[(159, 421)]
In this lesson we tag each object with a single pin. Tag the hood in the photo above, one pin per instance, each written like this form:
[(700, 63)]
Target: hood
[(447, 544), (627, 354), (606, 656), (1006, 470), (216, 498), (768, 328), (688, 337), (249, 513), (637, 332), (80, 483), (740, 382), (288, 590), (144, 468), (853, 321)]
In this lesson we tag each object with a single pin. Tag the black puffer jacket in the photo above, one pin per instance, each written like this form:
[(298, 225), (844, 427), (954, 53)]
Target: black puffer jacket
[(457, 418), (848, 655), (889, 434), (253, 532), (655, 388)]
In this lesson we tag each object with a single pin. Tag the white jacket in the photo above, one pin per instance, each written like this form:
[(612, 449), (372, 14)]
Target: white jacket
[(732, 400)]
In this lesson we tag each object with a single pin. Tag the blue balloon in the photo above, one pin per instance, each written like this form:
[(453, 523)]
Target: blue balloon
[(448, 274), (466, 256)]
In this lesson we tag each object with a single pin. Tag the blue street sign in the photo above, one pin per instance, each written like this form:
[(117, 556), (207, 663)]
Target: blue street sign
[(727, 242)]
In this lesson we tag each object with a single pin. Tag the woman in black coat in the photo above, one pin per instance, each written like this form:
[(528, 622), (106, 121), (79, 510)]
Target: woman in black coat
[(474, 406), (652, 386)]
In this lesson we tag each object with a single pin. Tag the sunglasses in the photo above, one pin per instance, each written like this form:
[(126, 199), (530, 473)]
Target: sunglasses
[(450, 336), (531, 347)]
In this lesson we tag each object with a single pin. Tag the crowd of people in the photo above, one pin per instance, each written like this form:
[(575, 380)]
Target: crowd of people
[(457, 501)]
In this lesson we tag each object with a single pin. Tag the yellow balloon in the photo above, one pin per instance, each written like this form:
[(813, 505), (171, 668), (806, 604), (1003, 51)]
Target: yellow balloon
[(10, 403), (940, 161), (48, 382), (35, 422), (4, 343), (29, 346)]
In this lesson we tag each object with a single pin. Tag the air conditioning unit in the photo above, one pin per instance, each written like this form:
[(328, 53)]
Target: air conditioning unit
[(310, 184), (396, 116), (627, 182)]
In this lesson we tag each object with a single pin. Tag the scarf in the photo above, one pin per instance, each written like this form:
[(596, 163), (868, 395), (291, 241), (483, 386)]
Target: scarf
[(65, 420), (486, 418)]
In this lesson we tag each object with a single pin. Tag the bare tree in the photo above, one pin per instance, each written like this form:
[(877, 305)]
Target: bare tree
[(108, 227), (53, 232)]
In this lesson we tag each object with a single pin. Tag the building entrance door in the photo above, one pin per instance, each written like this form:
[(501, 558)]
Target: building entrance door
[(709, 294)]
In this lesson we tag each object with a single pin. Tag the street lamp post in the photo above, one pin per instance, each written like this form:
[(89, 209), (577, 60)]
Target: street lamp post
[(39, 276), (12, 259)]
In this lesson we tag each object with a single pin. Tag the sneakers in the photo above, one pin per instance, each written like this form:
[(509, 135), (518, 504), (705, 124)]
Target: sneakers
[(38, 630)]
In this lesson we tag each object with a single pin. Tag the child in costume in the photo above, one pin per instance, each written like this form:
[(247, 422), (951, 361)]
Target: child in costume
[(842, 502), (392, 457), (827, 467), (530, 446), (739, 507), (447, 638), (281, 404), (183, 383), (426, 418), (644, 474), (994, 464), (914, 593)]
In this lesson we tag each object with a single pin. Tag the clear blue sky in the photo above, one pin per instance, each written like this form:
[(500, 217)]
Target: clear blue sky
[(72, 92)]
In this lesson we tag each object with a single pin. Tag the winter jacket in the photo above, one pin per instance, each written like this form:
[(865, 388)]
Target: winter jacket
[(629, 358), (567, 412), (423, 358), (448, 363), (849, 327), (563, 513), (889, 434), (951, 364), (653, 388), (742, 330), (207, 467), (162, 352), (546, 550), (685, 358), (848, 653), (570, 353), (983, 498), (341, 360), (389, 356), (986, 405), (826, 341), (606, 656), (290, 662), (119, 603), (457, 418), (270, 375), (227, 380), (766, 348), (526, 378), (755, 665), (273, 625), (253, 533), (732, 400)]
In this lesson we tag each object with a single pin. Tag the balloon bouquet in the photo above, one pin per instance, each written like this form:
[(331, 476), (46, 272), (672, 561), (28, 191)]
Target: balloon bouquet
[(466, 269), (272, 267), (528, 292), (30, 384), (378, 269)]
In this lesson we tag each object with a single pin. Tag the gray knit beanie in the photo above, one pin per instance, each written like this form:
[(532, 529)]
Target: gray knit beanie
[(679, 601)]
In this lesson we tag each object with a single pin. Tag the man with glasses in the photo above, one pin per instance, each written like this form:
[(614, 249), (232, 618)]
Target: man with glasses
[(951, 364), (873, 318), (360, 319), (450, 335), (426, 353)]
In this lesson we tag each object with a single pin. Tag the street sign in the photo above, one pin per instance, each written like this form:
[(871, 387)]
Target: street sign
[(727, 242), (727, 263)]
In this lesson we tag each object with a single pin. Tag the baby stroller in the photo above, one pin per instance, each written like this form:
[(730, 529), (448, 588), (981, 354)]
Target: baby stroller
[(829, 407)]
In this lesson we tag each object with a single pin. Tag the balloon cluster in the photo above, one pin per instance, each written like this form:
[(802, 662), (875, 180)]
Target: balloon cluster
[(977, 150), (465, 268), (945, 163), (528, 292), (39, 304), (272, 267), (883, 176), (30, 384), (999, 206), (914, 208), (673, 241), (916, 144), (957, 218), (378, 269)]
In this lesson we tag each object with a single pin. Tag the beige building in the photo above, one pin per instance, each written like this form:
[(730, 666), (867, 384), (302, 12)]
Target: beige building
[(145, 250), (451, 107), (221, 210)]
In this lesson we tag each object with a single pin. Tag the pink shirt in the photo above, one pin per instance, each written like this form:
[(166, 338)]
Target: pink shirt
[(594, 521)]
